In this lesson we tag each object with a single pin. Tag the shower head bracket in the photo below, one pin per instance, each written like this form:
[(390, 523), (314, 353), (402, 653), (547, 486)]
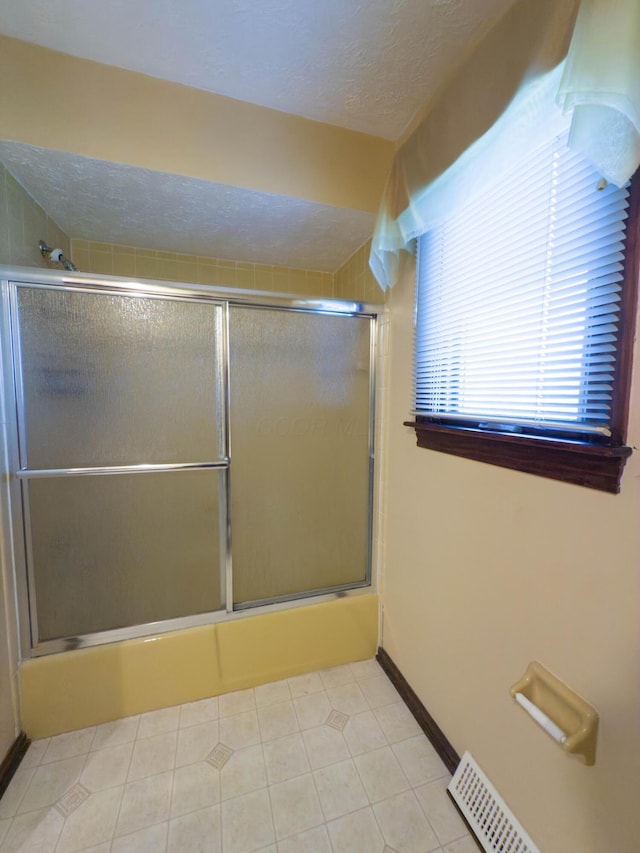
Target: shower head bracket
[(56, 256)]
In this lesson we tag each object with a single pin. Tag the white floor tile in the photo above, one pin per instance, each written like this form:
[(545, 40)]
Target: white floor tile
[(198, 832), (4, 828), (153, 755), (116, 733), (462, 845), (12, 797), (277, 720), (49, 783), (397, 722), (314, 840), (379, 691), (366, 669), (419, 760), (381, 774), (159, 722), (69, 745), (247, 823), (240, 730), (363, 733), (312, 710), (285, 758), (356, 833), (35, 753), (340, 789), (144, 803), (304, 685), (440, 811), (153, 839), (237, 702), (243, 772), (107, 768), (403, 825), (194, 787), (37, 831), (93, 822), (295, 806), (271, 694), (336, 676), (196, 742), (202, 711), (324, 746), (347, 698)]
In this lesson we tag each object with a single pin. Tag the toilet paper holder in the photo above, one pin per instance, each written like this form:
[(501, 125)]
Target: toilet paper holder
[(563, 714)]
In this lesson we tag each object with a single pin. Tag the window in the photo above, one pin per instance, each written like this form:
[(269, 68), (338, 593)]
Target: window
[(525, 317)]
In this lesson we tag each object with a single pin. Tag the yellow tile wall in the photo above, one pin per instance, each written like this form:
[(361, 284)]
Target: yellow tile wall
[(23, 223), (354, 279), (109, 258)]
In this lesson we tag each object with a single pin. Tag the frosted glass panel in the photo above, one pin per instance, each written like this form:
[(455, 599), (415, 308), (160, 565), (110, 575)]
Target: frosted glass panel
[(300, 451), (120, 550), (118, 380)]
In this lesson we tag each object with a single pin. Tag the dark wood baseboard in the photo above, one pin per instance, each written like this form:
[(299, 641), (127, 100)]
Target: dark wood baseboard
[(12, 760), (432, 730)]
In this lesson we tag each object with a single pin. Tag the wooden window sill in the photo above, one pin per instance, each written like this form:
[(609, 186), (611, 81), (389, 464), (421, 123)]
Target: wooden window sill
[(594, 466)]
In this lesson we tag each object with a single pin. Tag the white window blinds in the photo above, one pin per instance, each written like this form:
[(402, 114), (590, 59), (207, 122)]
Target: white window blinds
[(518, 301)]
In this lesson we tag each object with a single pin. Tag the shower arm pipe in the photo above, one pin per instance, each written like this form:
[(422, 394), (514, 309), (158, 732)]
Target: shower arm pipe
[(56, 256), (40, 473)]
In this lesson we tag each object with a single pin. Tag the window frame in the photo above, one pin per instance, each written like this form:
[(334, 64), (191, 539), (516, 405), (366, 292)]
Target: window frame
[(595, 465)]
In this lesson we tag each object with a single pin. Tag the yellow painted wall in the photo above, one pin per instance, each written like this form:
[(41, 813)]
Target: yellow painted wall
[(126, 117), (90, 686), (23, 223), (487, 569)]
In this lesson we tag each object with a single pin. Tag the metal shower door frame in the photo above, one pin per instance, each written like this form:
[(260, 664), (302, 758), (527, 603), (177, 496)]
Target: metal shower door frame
[(16, 516), (338, 589), (24, 474)]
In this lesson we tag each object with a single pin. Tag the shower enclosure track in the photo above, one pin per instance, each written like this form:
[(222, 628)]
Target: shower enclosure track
[(120, 469)]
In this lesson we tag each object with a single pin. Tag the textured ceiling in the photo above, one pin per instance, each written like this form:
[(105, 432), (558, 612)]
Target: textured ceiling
[(111, 203), (368, 65)]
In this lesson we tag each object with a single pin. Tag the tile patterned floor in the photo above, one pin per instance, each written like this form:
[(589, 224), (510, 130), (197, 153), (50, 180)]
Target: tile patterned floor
[(329, 762)]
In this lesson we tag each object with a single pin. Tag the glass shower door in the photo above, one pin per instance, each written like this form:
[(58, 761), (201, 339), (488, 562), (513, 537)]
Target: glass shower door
[(301, 447), (122, 458)]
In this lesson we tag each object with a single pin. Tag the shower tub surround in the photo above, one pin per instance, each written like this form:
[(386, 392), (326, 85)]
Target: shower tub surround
[(330, 760), (178, 576)]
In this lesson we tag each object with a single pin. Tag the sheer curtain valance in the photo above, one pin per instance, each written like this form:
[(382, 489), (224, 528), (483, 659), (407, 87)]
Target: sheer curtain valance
[(505, 101), (601, 85)]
